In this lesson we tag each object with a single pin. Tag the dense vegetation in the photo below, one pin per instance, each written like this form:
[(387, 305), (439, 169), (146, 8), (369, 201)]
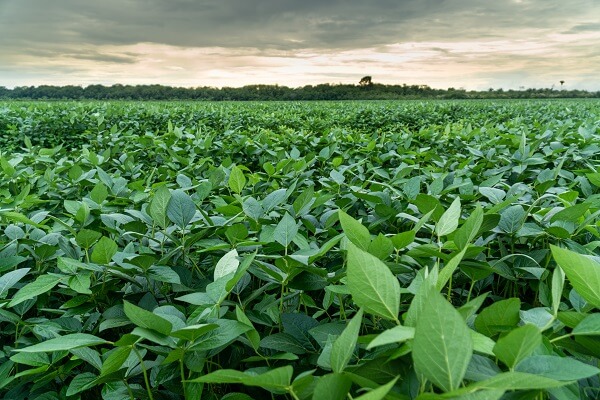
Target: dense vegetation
[(370, 91), (394, 250)]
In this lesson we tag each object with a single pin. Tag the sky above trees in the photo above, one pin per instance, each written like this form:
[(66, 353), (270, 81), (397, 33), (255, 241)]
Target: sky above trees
[(473, 44)]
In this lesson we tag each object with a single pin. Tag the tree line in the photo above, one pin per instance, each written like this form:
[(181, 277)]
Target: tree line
[(365, 90)]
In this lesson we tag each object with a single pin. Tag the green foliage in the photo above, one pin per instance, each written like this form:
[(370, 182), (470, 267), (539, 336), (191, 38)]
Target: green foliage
[(361, 250)]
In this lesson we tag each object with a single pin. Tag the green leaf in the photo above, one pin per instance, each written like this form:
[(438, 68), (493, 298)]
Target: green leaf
[(582, 271), (66, 342), (442, 347), (10, 279), (81, 282), (80, 383), (42, 284), (344, 345), (558, 282), (590, 325), (446, 273), (501, 316), (228, 264), (355, 231), (99, 193), (104, 251), (518, 344), (469, 230), (403, 239), (372, 284), (558, 368), (449, 220), (193, 332), (158, 207), (252, 208), (87, 237), (275, 379), (397, 334), (381, 247), (163, 273), (378, 393), (332, 387), (286, 230), (115, 360), (512, 219), (146, 319), (572, 213), (18, 217), (181, 208), (237, 180), (282, 342), (515, 381)]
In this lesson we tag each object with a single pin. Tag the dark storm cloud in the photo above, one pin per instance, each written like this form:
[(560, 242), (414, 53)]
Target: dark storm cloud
[(278, 24)]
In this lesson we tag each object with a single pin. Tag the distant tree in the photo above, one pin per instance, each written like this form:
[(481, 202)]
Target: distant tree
[(366, 81)]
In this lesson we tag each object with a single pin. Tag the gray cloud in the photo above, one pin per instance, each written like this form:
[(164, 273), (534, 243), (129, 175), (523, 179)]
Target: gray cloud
[(39, 36), (283, 24)]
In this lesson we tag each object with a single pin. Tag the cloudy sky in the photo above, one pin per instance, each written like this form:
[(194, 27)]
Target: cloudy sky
[(474, 44)]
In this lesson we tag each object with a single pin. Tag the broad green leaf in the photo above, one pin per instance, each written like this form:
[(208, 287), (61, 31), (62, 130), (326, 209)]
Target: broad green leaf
[(193, 332), (9, 279), (158, 206), (282, 342), (18, 217), (397, 334), (446, 273), (403, 239), (104, 251), (115, 360), (500, 316), (515, 381), (372, 284), (162, 273), (469, 230), (355, 231), (66, 342), (482, 343), (278, 379), (80, 383), (449, 220), (31, 359), (518, 344), (181, 208), (146, 319), (332, 387), (237, 180), (582, 271), (42, 284), (572, 213), (378, 393), (594, 178), (228, 264), (512, 219), (590, 325), (344, 345), (81, 282), (442, 347), (252, 208), (87, 237), (99, 193), (558, 368), (381, 247), (286, 230), (228, 331)]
